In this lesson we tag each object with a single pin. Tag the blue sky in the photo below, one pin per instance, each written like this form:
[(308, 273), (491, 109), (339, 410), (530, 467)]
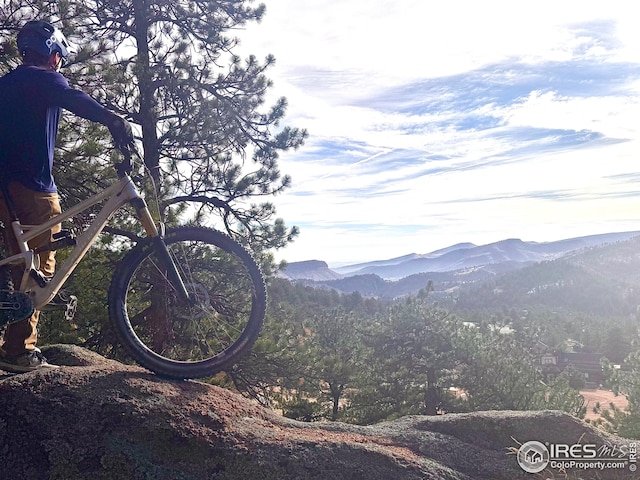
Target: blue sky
[(435, 123)]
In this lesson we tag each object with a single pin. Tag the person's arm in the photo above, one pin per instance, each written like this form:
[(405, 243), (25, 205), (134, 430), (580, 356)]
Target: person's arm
[(83, 105)]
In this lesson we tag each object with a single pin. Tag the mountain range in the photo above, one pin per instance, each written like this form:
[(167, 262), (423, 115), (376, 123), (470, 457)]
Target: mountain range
[(455, 257), (459, 264)]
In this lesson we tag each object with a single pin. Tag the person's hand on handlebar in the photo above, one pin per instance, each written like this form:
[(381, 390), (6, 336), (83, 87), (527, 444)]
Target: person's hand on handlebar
[(122, 134)]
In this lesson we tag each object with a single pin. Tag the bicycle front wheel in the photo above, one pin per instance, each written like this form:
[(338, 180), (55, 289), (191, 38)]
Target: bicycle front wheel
[(199, 337)]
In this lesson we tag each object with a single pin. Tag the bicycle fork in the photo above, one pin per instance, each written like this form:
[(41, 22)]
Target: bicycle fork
[(157, 236)]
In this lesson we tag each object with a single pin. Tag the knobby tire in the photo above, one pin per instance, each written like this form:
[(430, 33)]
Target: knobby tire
[(166, 335)]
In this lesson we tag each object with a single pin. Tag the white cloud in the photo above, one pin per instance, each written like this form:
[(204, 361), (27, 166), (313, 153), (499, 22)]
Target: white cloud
[(433, 123), (610, 115)]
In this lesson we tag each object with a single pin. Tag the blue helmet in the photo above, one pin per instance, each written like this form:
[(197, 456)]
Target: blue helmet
[(44, 39)]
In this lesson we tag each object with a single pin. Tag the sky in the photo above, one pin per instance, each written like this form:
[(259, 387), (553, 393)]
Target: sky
[(436, 123)]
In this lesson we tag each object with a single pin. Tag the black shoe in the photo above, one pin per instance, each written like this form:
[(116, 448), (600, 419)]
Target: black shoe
[(26, 362)]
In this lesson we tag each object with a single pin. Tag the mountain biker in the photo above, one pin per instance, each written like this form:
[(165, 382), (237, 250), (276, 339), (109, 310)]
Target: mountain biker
[(31, 99)]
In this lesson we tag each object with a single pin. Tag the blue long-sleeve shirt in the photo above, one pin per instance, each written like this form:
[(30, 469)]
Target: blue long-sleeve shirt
[(31, 100)]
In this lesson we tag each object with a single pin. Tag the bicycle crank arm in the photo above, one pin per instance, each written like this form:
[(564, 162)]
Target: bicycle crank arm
[(9, 305)]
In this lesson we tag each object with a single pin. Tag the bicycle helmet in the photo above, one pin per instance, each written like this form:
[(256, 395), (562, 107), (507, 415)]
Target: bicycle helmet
[(44, 39)]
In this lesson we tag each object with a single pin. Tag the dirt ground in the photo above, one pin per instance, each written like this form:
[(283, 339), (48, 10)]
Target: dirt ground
[(604, 397)]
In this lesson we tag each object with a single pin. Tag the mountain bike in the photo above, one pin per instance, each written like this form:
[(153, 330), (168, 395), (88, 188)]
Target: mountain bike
[(187, 302)]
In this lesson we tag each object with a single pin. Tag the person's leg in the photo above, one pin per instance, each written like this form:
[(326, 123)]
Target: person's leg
[(33, 208)]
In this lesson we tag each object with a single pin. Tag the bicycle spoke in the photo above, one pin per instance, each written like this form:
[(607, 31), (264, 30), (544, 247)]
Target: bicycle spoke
[(220, 287)]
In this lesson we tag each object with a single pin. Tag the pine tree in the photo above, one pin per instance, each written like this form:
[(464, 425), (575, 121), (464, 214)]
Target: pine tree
[(409, 363), (623, 381), (169, 67)]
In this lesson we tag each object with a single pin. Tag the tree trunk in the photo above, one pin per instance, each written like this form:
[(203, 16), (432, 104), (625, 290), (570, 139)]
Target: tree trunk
[(432, 396), (336, 393), (147, 116)]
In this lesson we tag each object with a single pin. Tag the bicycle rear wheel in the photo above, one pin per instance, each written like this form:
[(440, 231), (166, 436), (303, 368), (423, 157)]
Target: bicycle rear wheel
[(194, 339)]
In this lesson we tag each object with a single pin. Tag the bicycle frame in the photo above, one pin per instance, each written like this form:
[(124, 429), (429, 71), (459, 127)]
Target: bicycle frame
[(117, 195)]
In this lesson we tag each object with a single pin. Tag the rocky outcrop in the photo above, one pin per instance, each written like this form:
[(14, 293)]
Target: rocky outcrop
[(98, 419), (315, 270)]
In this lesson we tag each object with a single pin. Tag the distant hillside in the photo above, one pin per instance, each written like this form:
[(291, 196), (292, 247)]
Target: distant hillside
[(442, 282), (464, 256), (602, 280), (362, 268), (513, 253), (597, 279)]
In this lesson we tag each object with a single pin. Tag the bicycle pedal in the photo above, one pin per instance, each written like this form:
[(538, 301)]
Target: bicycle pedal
[(63, 301), (72, 306)]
